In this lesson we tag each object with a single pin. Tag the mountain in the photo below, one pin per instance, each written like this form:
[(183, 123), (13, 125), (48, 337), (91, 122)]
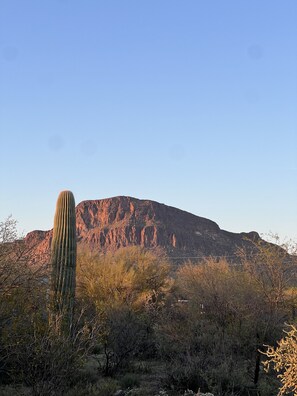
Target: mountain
[(109, 224)]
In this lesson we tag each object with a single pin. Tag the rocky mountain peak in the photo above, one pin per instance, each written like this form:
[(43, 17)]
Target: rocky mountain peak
[(108, 224)]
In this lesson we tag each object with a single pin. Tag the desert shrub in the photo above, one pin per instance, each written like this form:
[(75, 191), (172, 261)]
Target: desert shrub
[(88, 373), (131, 276), (142, 368), (212, 339), (213, 334), (125, 291), (126, 337), (226, 377), (105, 387), (183, 374), (45, 360), (13, 390), (268, 385), (22, 287), (282, 359), (129, 380)]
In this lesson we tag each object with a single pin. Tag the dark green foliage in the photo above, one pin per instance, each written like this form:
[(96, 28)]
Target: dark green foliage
[(63, 258)]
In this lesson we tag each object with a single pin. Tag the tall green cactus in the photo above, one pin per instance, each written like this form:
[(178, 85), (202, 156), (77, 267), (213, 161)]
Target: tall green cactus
[(63, 259)]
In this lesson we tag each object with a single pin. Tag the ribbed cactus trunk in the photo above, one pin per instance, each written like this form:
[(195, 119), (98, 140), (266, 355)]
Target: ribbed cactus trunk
[(63, 260)]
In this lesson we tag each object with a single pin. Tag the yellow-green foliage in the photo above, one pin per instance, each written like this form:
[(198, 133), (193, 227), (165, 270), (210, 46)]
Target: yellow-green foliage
[(130, 276)]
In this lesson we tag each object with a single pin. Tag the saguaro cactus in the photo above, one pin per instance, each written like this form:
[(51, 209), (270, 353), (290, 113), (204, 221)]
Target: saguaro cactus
[(63, 259)]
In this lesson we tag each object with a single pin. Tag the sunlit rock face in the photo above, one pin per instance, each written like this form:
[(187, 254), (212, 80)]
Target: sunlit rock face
[(109, 224)]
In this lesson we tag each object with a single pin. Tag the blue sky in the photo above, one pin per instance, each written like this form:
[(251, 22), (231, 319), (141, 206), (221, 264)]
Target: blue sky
[(189, 103)]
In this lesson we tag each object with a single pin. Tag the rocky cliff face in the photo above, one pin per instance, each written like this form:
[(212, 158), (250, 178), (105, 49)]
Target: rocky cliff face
[(109, 224)]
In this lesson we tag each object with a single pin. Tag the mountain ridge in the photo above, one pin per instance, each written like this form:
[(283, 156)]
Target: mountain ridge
[(112, 223)]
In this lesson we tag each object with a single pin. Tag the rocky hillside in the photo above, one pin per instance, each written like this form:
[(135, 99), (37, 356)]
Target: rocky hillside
[(109, 224)]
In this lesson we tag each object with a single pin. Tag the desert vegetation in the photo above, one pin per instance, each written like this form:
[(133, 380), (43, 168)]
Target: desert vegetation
[(129, 323)]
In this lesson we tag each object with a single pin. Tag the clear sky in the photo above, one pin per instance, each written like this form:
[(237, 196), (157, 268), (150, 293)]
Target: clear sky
[(190, 103)]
